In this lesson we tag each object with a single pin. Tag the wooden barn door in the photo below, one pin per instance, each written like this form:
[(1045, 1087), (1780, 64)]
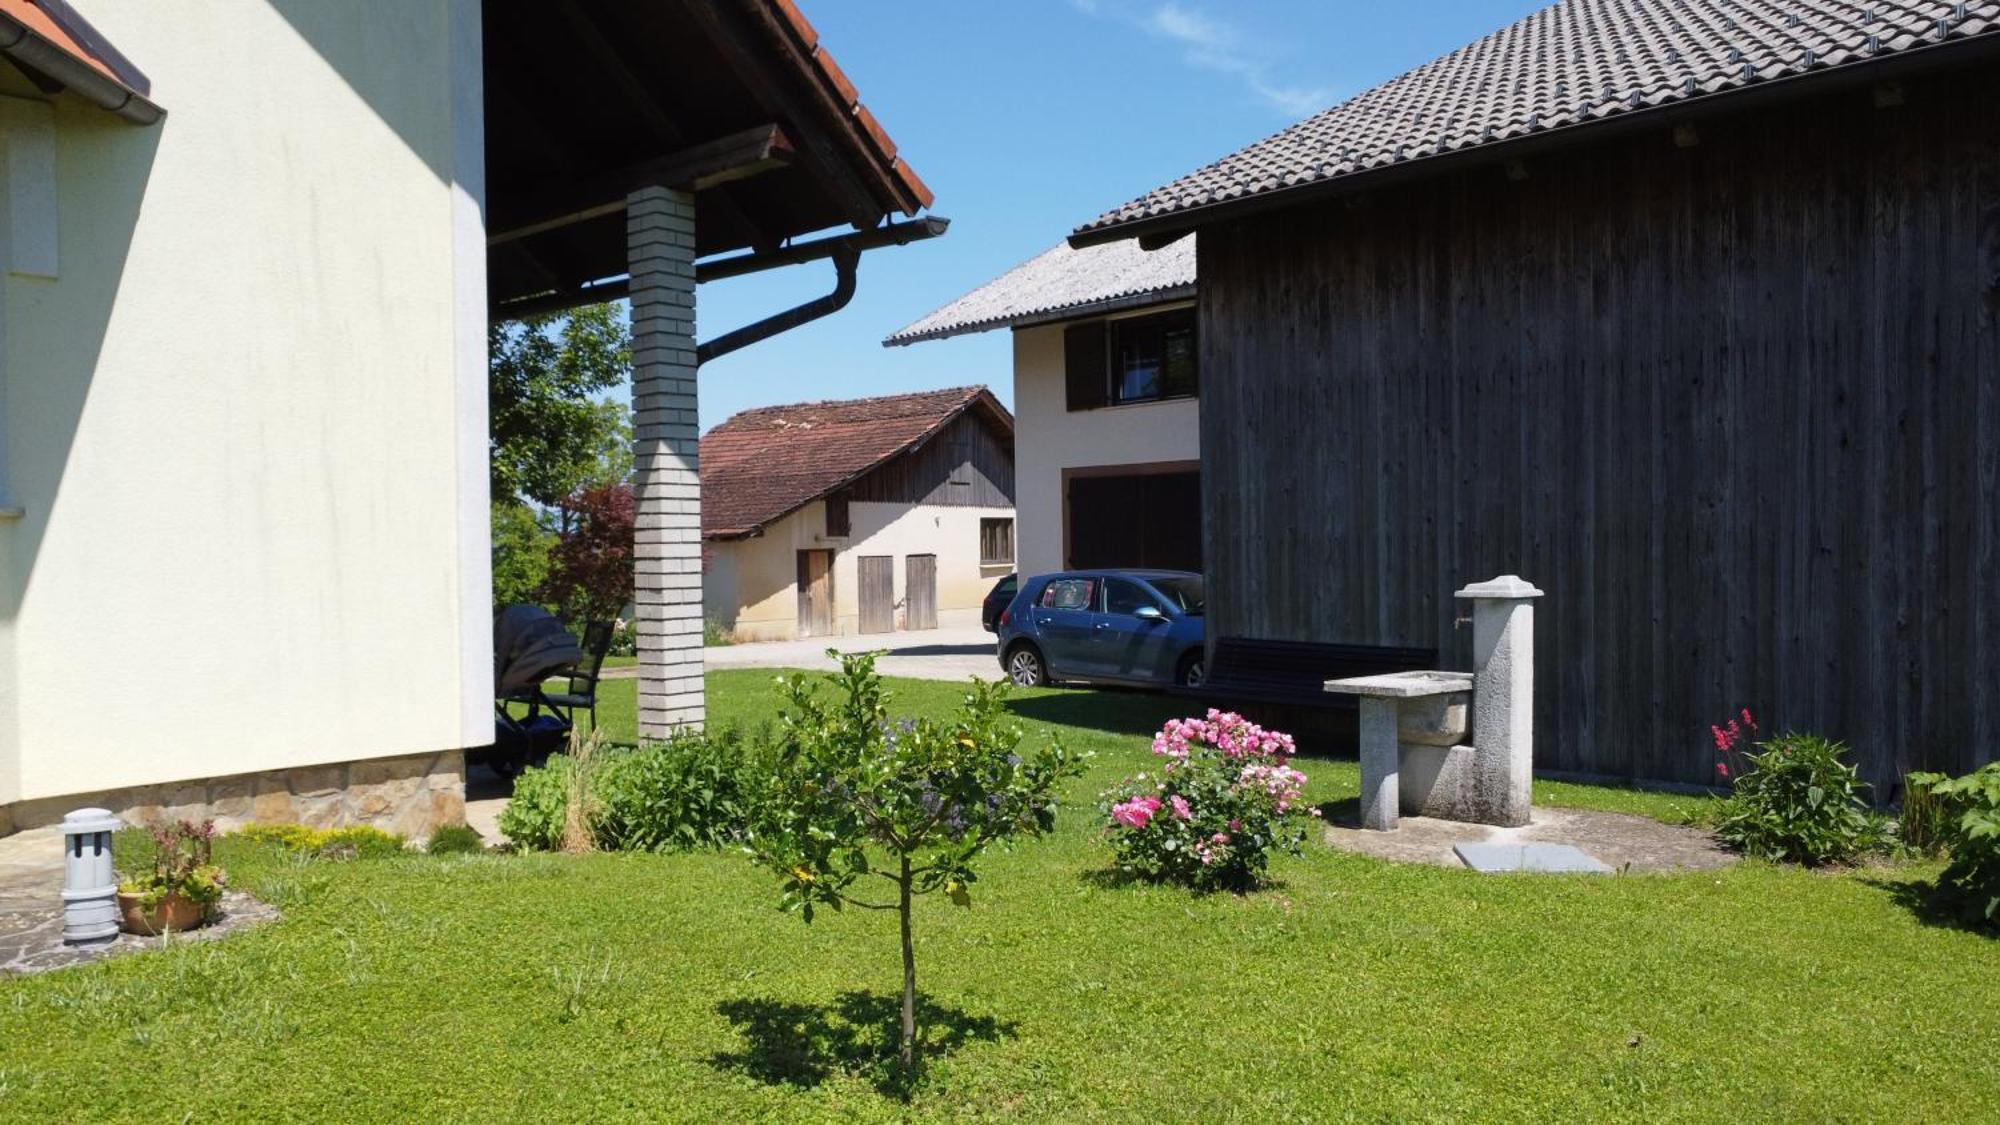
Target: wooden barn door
[(815, 593), (920, 591), (878, 593)]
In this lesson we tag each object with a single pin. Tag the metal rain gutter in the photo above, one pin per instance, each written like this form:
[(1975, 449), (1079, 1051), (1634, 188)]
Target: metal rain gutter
[(25, 46)]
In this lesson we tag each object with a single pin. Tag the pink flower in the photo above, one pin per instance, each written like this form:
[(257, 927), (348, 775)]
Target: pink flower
[(1137, 812), (1722, 769), (1181, 810), (1236, 826)]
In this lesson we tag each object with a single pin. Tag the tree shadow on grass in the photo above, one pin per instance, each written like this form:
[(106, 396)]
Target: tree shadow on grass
[(1931, 904), (1112, 710), (787, 1044)]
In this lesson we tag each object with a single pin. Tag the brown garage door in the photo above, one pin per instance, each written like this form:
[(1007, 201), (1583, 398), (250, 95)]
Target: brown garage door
[(877, 576), (920, 591), (1134, 520)]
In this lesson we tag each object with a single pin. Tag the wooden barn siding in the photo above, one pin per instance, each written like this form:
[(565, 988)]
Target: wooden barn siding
[(925, 476), (1736, 408)]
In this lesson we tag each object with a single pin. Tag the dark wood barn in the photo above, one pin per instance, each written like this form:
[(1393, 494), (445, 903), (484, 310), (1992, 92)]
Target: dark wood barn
[(1725, 382)]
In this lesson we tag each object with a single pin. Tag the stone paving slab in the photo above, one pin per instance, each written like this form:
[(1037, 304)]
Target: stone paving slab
[(31, 923), (1558, 858)]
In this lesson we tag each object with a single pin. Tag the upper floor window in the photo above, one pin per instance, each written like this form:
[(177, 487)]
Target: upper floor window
[(1134, 359)]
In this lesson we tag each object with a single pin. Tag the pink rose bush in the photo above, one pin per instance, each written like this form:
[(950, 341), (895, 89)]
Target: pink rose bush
[(1225, 796)]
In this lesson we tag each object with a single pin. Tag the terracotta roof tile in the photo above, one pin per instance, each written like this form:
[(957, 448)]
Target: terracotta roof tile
[(762, 465), (1569, 64)]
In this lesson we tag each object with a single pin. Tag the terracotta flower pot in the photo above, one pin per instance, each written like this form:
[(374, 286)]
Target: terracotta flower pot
[(173, 912)]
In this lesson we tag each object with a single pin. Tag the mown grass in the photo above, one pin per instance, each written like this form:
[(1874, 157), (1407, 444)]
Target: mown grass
[(667, 987)]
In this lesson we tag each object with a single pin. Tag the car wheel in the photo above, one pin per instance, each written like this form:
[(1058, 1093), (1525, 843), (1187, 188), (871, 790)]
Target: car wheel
[(1024, 667), (1193, 670)]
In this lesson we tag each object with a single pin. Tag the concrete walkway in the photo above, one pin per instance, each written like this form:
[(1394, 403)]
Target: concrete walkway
[(935, 654)]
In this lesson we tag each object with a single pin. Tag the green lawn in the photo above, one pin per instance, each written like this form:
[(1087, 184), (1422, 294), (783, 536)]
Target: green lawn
[(546, 988)]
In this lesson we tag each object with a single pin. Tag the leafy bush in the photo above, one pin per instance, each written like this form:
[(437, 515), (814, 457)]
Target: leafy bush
[(590, 566), (1797, 800), (1225, 797), (533, 818), (1971, 808), (1925, 824), (925, 797), (455, 839), (181, 866), (360, 840), (691, 790)]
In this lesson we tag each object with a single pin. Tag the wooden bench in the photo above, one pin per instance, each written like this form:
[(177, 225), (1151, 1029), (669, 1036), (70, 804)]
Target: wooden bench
[(1295, 672)]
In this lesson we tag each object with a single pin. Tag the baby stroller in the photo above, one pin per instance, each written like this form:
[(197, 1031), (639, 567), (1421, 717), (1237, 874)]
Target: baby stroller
[(529, 646)]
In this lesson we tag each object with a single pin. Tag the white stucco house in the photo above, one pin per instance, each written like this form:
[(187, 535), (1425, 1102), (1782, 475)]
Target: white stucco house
[(249, 253), (871, 515), (1107, 444)]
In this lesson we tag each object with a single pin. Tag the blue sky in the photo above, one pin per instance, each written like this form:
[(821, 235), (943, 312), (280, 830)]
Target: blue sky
[(1028, 117)]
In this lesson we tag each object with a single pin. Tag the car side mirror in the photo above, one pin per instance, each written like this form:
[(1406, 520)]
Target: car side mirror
[(1149, 613)]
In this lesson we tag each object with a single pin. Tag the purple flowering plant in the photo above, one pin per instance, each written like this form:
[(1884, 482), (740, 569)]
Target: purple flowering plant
[(1223, 798)]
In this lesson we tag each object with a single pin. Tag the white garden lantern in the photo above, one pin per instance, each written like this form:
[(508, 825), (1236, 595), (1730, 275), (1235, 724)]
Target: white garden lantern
[(90, 888)]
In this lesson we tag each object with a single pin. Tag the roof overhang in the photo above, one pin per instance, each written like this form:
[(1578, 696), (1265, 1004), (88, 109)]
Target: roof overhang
[(1126, 303), (58, 51), (1160, 230), (735, 101)]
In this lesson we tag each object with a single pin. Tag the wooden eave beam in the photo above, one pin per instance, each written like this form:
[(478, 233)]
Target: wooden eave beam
[(734, 157)]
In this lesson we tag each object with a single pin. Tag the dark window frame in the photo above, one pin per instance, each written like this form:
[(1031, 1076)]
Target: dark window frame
[(994, 524), (839, 520), (1096, 364)]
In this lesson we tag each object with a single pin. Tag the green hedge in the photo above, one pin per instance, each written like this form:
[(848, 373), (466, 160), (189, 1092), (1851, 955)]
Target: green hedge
[(689, 791)]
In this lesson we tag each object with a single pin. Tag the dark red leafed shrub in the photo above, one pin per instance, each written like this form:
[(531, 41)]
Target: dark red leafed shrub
[(590, 570)]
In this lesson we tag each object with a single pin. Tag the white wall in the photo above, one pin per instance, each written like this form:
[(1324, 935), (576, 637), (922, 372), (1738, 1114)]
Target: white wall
[(752, 588), (245, 418), (1048, 439)]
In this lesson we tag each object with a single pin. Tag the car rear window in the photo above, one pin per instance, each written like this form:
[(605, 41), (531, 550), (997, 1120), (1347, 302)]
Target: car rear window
[(1069, 593)]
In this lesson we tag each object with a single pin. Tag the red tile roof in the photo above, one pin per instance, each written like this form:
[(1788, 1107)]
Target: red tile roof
[(805, 37), (762, 465)]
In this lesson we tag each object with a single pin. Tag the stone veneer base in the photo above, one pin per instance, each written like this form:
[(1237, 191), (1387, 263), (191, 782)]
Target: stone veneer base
[(409, 795)]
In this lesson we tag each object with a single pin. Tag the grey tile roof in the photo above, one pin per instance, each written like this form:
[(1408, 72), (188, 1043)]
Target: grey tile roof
[(1573, 63), (1064, 283)]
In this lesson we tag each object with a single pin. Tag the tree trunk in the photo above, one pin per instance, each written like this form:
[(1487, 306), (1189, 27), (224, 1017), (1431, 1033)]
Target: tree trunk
[(909, 976)]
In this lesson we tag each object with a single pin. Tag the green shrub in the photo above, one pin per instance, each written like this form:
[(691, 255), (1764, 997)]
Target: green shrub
[(533, 818), (360, 840), (455, 839), (1925, 823), (1796, 800), (714, 634), (1970, 808), (691, 790)]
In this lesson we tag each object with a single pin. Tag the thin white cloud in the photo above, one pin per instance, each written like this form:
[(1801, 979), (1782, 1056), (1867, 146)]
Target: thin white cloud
[(1211, 44)]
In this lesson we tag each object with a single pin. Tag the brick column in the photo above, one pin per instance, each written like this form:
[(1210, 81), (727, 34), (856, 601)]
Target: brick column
[(659, 239)]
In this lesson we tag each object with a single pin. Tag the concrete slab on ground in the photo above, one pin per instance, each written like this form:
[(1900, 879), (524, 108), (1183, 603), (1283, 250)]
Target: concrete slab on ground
[(934, 654), (1623, 842), (1556, 858)]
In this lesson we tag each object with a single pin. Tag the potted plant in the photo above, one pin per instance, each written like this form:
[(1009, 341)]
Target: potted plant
[(183, 887)]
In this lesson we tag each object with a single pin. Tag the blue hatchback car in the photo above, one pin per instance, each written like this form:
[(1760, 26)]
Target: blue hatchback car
[(1107, 626)]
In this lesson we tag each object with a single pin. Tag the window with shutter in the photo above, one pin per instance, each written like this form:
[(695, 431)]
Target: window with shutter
[(837, 525), (1085, 365)]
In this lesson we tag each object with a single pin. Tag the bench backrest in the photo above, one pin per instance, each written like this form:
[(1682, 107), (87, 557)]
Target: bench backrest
[(1303, 667)]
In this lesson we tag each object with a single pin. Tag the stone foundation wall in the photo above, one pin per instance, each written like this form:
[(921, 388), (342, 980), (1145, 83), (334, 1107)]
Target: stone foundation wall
[(408, 796)]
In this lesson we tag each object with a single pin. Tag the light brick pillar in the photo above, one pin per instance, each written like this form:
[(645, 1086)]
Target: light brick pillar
[(659, 240)]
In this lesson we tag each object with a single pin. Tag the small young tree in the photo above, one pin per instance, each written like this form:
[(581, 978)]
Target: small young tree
[(855, 797)]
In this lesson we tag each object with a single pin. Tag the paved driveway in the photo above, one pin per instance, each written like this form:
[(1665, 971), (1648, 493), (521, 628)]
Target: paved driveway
[(935, 654)]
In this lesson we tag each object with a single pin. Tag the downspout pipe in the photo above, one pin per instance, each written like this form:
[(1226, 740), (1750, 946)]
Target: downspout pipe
[(21, 44), (845, 259)]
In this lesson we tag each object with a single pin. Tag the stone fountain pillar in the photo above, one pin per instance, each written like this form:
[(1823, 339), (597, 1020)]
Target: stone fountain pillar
[(1503, 697)]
